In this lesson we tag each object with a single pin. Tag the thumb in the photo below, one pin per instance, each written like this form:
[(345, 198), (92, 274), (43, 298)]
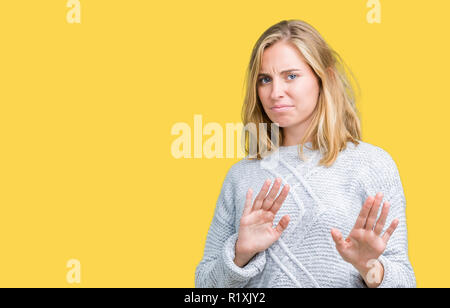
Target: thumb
[(282, 224), (338, 238)]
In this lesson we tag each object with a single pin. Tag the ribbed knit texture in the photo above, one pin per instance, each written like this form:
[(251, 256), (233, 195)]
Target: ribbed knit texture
[(319, 199)]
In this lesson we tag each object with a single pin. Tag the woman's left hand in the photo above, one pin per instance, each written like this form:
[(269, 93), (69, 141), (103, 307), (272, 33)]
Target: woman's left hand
[(364, 242)]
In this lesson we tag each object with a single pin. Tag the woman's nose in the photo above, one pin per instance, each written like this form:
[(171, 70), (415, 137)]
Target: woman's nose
[(277, 89)]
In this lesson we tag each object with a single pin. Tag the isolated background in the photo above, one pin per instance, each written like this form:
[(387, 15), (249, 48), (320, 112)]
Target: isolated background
[(86, 112)]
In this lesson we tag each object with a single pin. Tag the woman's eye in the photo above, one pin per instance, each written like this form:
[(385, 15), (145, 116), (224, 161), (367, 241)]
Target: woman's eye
[(265, 80), (262, 80)]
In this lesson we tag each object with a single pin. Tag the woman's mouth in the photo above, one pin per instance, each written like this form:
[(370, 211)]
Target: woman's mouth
[(281, 108)]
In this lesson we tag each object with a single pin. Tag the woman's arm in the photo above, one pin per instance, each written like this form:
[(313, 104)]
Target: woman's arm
[(383, 175), (217, 268), (397, 269), (378, 247)]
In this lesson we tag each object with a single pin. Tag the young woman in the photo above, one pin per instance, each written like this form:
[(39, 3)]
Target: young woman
[(343, 186)]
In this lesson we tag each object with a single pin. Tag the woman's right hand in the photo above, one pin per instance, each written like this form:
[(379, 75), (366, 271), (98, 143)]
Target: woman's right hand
[(256, 232)]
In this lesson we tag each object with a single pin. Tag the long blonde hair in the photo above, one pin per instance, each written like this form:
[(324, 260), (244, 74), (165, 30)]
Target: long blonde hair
[(335, 120)]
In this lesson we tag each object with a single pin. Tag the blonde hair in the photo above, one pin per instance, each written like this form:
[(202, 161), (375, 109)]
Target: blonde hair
[(335, 120)]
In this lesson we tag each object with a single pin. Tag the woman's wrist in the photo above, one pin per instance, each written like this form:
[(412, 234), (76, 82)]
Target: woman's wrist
[(372, 272), (241, 261), (241, 258)]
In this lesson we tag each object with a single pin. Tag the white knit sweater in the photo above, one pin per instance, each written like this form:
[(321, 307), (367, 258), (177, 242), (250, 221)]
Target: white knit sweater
[(319, 199)]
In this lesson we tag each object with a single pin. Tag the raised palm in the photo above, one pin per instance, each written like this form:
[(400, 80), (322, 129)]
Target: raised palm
[(256, 232), (364, 242)]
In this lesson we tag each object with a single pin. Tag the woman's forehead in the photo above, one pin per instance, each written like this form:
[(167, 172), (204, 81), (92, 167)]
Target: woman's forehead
[(281, 57)]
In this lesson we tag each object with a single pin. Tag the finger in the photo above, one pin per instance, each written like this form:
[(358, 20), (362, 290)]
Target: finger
[(387, 235), (280, 199), (248, 202), (372, 217), (268, 201), (382, 220), (282, 224), (261, 195), (361, 220), (338, 239)]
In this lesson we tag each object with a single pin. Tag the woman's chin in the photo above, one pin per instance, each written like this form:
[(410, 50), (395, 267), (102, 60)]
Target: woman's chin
[(283, 120), (281, 123)]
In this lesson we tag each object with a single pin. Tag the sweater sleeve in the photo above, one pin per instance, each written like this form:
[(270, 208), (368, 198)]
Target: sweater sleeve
[(217, 268), (381, 175)]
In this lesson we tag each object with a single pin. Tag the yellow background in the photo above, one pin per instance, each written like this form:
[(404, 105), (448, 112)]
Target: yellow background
[(86, 111)]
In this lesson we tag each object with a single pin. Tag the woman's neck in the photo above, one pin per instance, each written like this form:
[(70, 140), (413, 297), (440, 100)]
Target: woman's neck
[(293, 135)]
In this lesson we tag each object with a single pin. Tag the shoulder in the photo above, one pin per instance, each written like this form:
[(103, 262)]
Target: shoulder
[(236, 178), (369, 156), (238, 171), (377, 168)]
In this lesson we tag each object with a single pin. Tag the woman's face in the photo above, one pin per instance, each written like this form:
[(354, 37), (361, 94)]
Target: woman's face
[(287, 86)]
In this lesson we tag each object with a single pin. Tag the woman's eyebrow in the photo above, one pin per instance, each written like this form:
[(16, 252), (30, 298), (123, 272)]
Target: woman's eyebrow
[(285, 71)]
